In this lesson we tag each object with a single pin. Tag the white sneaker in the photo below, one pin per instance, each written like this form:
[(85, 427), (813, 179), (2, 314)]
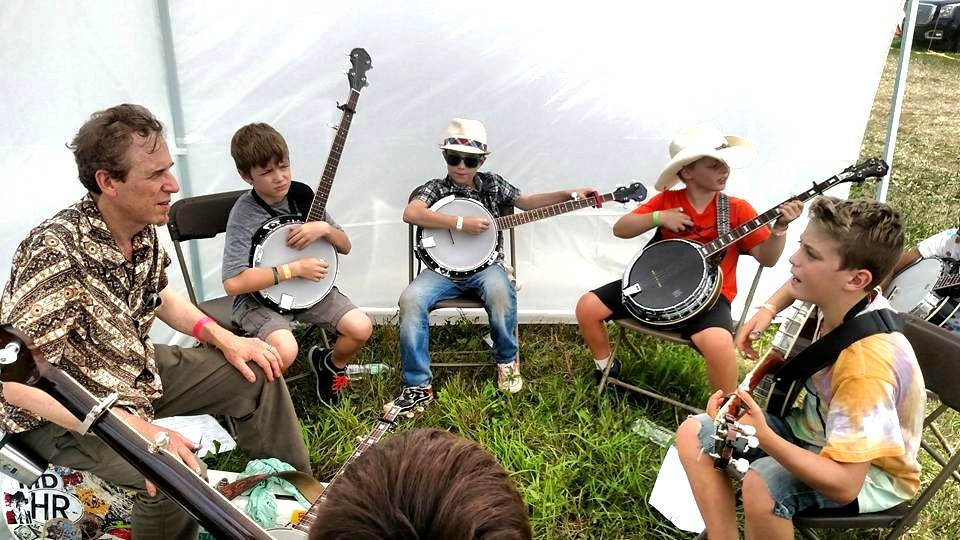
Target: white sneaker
[(508, 377)]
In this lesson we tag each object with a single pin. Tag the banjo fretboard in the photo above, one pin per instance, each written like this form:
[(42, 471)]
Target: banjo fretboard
[(508, 222), (333, 159), (871, 167)]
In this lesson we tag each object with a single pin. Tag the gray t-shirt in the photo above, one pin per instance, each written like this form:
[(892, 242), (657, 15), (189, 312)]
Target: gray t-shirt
[(245, 219)]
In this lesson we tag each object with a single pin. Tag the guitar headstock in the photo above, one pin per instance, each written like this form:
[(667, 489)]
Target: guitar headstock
[(634, 192), (870, 168), (413, 403), (360, 63), (19, 358)]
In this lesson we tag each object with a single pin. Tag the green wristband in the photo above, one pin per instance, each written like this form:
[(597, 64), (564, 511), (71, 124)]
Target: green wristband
[(655, 217), (276, 276)]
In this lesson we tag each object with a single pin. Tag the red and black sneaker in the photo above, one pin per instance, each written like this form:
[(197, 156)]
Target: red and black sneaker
[(331, 381)]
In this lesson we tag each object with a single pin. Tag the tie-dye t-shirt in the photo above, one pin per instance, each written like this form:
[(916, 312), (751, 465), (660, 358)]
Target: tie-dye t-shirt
[(869, 407)]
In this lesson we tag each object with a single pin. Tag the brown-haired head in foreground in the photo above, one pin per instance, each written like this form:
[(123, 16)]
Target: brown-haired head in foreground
[(103, 140), (869, 233), (421, 484), (256, 145)]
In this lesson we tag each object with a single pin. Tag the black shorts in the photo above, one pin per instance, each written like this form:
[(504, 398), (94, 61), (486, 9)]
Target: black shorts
[(717, 316)]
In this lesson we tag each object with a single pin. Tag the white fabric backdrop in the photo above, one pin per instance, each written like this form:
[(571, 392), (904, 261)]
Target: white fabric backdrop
[(586, 95)]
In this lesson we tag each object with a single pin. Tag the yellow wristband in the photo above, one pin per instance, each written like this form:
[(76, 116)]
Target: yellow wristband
[(286, 271), (459, 223)]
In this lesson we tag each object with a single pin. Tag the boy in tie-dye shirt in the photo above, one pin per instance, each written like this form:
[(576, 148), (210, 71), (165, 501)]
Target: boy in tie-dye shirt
[(853, 440)]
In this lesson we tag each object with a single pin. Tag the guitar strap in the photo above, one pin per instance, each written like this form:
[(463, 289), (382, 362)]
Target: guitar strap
[(299, 197), (723, 224), (825, 351)]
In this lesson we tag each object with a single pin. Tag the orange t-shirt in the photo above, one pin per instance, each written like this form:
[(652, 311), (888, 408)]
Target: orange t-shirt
[(704, 229)]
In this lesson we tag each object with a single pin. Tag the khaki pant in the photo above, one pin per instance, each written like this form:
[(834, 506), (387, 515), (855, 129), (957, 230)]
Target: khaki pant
[(195, 381)]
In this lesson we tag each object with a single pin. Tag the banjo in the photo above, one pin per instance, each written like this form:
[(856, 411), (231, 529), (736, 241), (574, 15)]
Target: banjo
[(922, 289), (671, 281), (270, 249), (458, 254)]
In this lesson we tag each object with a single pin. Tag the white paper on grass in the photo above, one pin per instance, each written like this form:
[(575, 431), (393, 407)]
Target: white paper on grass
[(672, 496), (203, 429)]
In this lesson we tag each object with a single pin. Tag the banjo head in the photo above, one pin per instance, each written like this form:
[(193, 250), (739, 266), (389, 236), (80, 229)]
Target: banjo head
[(669, 282), (271, 249), (667, 273), (457, 252), (911, 290)]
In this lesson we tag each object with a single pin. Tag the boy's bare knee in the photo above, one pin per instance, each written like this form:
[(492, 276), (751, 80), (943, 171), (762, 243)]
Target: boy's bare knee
[(688, 436), (588, 308), (756, 495)]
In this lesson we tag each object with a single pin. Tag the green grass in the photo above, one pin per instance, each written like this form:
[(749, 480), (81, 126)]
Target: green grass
[(577, 463)]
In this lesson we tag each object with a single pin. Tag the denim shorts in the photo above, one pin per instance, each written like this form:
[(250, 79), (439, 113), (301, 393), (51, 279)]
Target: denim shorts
[(790, 495)]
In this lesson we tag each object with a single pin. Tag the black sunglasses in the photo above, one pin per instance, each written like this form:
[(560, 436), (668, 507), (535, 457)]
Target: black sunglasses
[(471, 162)]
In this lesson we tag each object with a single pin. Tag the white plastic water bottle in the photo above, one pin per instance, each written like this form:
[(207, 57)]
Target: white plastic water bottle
[(356, 370), (656, 434)]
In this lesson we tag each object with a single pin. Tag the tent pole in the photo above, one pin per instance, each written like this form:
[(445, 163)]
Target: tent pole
[(899, 87), (176, 112)]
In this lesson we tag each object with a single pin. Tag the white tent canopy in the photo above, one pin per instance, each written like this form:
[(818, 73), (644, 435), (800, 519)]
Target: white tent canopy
[(583, 95)]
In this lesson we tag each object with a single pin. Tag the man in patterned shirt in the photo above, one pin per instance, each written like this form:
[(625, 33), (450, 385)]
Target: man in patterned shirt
[(86, 286), (464, 149), (854, 439)]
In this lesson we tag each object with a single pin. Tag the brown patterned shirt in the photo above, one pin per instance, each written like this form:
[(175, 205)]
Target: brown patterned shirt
[(87, 308)]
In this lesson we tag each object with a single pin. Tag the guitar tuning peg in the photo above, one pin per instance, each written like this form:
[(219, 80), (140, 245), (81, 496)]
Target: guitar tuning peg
[(419, 409), (408, 414), (332, 126), (344, 71), (346, 53), (359, 438), (753, 442), (741, 465)]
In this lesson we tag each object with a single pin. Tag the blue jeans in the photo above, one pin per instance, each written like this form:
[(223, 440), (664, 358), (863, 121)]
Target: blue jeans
[(492, 285)]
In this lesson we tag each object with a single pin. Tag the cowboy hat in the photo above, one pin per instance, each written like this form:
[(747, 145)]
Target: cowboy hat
[(467, 136), (704, 140)]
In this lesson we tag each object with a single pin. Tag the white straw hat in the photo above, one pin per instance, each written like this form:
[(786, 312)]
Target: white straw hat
[(704, 140), (467, 136)]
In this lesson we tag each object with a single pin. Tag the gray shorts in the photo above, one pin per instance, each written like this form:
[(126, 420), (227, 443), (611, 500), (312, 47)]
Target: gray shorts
[(259, 320)]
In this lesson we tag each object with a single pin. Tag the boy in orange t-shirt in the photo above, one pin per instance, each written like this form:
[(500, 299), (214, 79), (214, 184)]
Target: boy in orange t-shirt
[(701, 157)]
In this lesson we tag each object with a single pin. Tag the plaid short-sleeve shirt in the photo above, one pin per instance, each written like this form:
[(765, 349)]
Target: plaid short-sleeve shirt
[(87, 308)]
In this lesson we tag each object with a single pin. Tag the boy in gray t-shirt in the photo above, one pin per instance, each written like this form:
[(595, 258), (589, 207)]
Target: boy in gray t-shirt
[(263, 161)]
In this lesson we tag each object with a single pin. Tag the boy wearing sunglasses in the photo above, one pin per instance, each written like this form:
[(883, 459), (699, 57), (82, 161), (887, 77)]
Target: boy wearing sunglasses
[(464, 150)]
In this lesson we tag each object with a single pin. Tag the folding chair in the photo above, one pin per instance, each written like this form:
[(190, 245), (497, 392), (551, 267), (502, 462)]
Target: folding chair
[(201, 217), (938, 353), (625, 325), (415, 266)]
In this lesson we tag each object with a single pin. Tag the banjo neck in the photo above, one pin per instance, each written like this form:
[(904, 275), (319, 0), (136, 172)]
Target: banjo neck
[(357, 76), (872, 167), (513, 220), (21, 362), (384, 426), (947, 281), (319, 204)]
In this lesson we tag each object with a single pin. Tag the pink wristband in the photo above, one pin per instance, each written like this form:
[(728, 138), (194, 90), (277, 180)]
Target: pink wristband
[(199, 326)]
